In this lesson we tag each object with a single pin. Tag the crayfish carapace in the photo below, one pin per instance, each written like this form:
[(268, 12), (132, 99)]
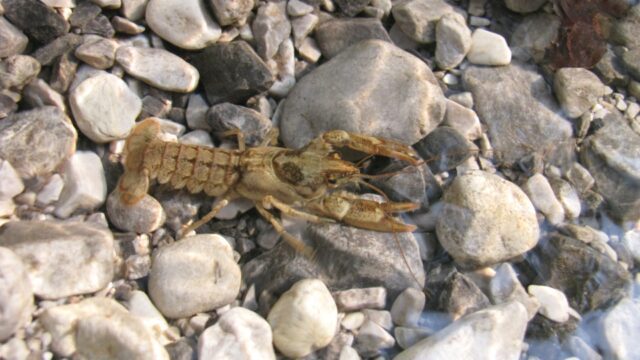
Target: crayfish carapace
[(305, 183)]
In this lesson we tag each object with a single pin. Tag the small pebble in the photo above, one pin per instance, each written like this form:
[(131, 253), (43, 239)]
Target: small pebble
[(303, 319), (196, 274), (488, 48), (12, 40), (543, 198), (10, 182), (184, 23), (409, 336), (407, 307), (100, 53), (65, 259), (357, 299), (553, 303), (371, 338), (85, 186), (352, 321), (91, 104), (16, 296), (158, 68), (238, 334), (145, 216)]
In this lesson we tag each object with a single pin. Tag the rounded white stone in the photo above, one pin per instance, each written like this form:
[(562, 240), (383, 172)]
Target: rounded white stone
[(238, 334), (195, 274), (553, 302), (543, 198), (488, 48), (104, 107), (85, 185), (303, 319), (184, 23), (16, 296), (158, 68)]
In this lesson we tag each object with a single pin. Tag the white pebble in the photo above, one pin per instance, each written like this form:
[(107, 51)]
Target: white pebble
[(16, 296), (553, 302), (238, 334), (488, 48), (92, 102), (158, 68), (10, 182), (407, 307), (303, 319), (85, 185), (184, 23), (541, 194)]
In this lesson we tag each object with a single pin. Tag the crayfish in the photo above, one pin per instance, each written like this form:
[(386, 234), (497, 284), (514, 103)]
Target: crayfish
[(307, 183)]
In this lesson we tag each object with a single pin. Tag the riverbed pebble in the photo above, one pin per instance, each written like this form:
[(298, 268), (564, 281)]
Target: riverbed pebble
[(488, 48), (85, 186), (239, 333), (65, 258), (303, 319), (158, 68), (482, 214), (194, 275), (186, 24), (16, 296), (91, 102)]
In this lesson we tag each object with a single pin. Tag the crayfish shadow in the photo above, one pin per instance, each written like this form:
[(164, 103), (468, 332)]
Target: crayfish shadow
[(345, 258)]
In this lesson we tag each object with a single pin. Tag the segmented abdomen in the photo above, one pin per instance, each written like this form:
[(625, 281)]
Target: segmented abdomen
[(198, 168)]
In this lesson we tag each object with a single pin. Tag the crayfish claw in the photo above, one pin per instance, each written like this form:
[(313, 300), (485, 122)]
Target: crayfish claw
[(373, 145), (363, 213)]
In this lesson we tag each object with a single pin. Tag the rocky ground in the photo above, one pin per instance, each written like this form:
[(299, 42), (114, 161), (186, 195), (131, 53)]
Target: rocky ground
[(528, 240)]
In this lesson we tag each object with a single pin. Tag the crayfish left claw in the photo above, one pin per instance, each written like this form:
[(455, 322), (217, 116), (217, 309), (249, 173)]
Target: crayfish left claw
[(365, 214), (373, 145)]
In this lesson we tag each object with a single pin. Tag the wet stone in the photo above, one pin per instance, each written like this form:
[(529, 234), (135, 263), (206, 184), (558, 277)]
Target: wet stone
[(83, 13), (48, 53), (486, 220), (525, 46), (158, 68), (303, 319), (453, 41), (631, 61), (12, 40), (444, 149), (184, 23), (100, 54), (372, 338), (498, 331), (418, 18), (85, 186), (461, 296), (577, 90), (369, 93), (196, 274), (17, 71), (63, 72), (541, 194), (553, 303), (358, 299), (36, 19), (620, 325), (333, 36), (505, 286), (589, 279), (270, 28), (16, 296), (610, 156), (239, 333), (145, 216), (406, 337), (232, 72), (226, 116), (407, 307), (63, 258), (25, 140), (91, 104), (504, 97)]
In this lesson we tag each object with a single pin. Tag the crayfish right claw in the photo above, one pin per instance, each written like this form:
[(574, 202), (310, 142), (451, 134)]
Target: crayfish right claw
[(365, 214)]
